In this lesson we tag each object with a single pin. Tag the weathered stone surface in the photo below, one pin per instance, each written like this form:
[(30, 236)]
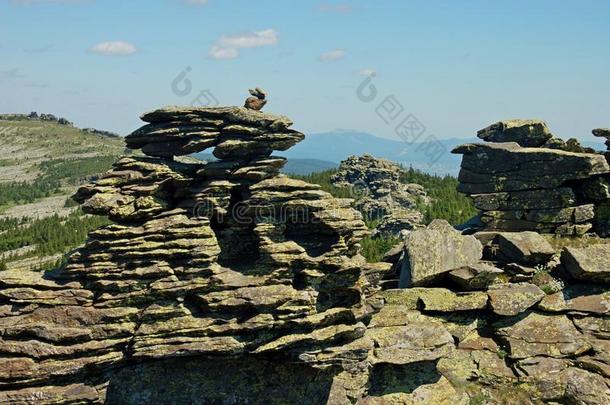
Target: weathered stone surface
[(588, 388), (528, 248), (579, 298), (525, 200), (220, 260), (429, 253), (509, 161), (547, 374), (477, 276), (413, 343), (590, 263), (442, 300), (525, 132), (542, 221), (513, 299), (435, 299), (412, 385), (534, 334), (462, 366), (197, 381), (549, 187), (233, 131), (571, 145)]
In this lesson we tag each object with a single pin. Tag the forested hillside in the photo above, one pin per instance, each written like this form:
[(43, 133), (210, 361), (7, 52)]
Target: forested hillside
[(41, 164)]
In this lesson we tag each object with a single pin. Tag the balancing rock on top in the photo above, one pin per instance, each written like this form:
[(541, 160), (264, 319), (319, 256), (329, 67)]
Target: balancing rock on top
[(528, 133), (258, 99)]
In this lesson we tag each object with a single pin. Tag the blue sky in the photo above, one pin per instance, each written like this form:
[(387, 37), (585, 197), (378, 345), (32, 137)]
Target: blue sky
[(456, 66)]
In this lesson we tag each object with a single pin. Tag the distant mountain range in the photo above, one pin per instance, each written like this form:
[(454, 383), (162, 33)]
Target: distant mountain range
[(293, 165), (329, 148), (323, 151)]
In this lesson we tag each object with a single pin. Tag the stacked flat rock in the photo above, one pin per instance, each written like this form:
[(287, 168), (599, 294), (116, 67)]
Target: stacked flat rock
[(519, 183), (602, 188), (379, 193), (226, 260), (233, 132)]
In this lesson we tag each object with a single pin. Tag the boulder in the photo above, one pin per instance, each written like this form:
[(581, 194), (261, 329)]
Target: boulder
[(534, 334), (587, 388), (528, 248), (217, 260), (477, 276), (591, 263), (531, 133), (430, 253), (234, 132), (513, 299), (589, 298)]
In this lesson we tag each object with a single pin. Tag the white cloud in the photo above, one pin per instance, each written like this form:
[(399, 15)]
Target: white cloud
[(335, 8), (228, 46), (332, 56), (114, 48), (219, 53), (368, 72)]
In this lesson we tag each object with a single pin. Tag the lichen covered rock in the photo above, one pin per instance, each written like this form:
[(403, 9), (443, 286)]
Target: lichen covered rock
[(229, 283), (525, 180), (429, 253)]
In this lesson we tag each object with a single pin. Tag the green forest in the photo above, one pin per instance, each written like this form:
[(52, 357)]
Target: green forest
[(48, 236), (55, 234), (56, 174)]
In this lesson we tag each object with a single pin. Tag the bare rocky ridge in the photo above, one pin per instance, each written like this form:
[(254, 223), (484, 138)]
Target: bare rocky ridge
[(522, 182), (229, 283)]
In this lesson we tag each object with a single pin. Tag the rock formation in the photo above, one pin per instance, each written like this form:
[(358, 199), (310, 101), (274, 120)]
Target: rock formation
[(223, 259), (520, 183), (375, 184), (229, 283), (528, 324)]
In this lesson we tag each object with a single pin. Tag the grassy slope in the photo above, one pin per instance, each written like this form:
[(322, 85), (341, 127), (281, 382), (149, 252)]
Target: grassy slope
[(41, 163)]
